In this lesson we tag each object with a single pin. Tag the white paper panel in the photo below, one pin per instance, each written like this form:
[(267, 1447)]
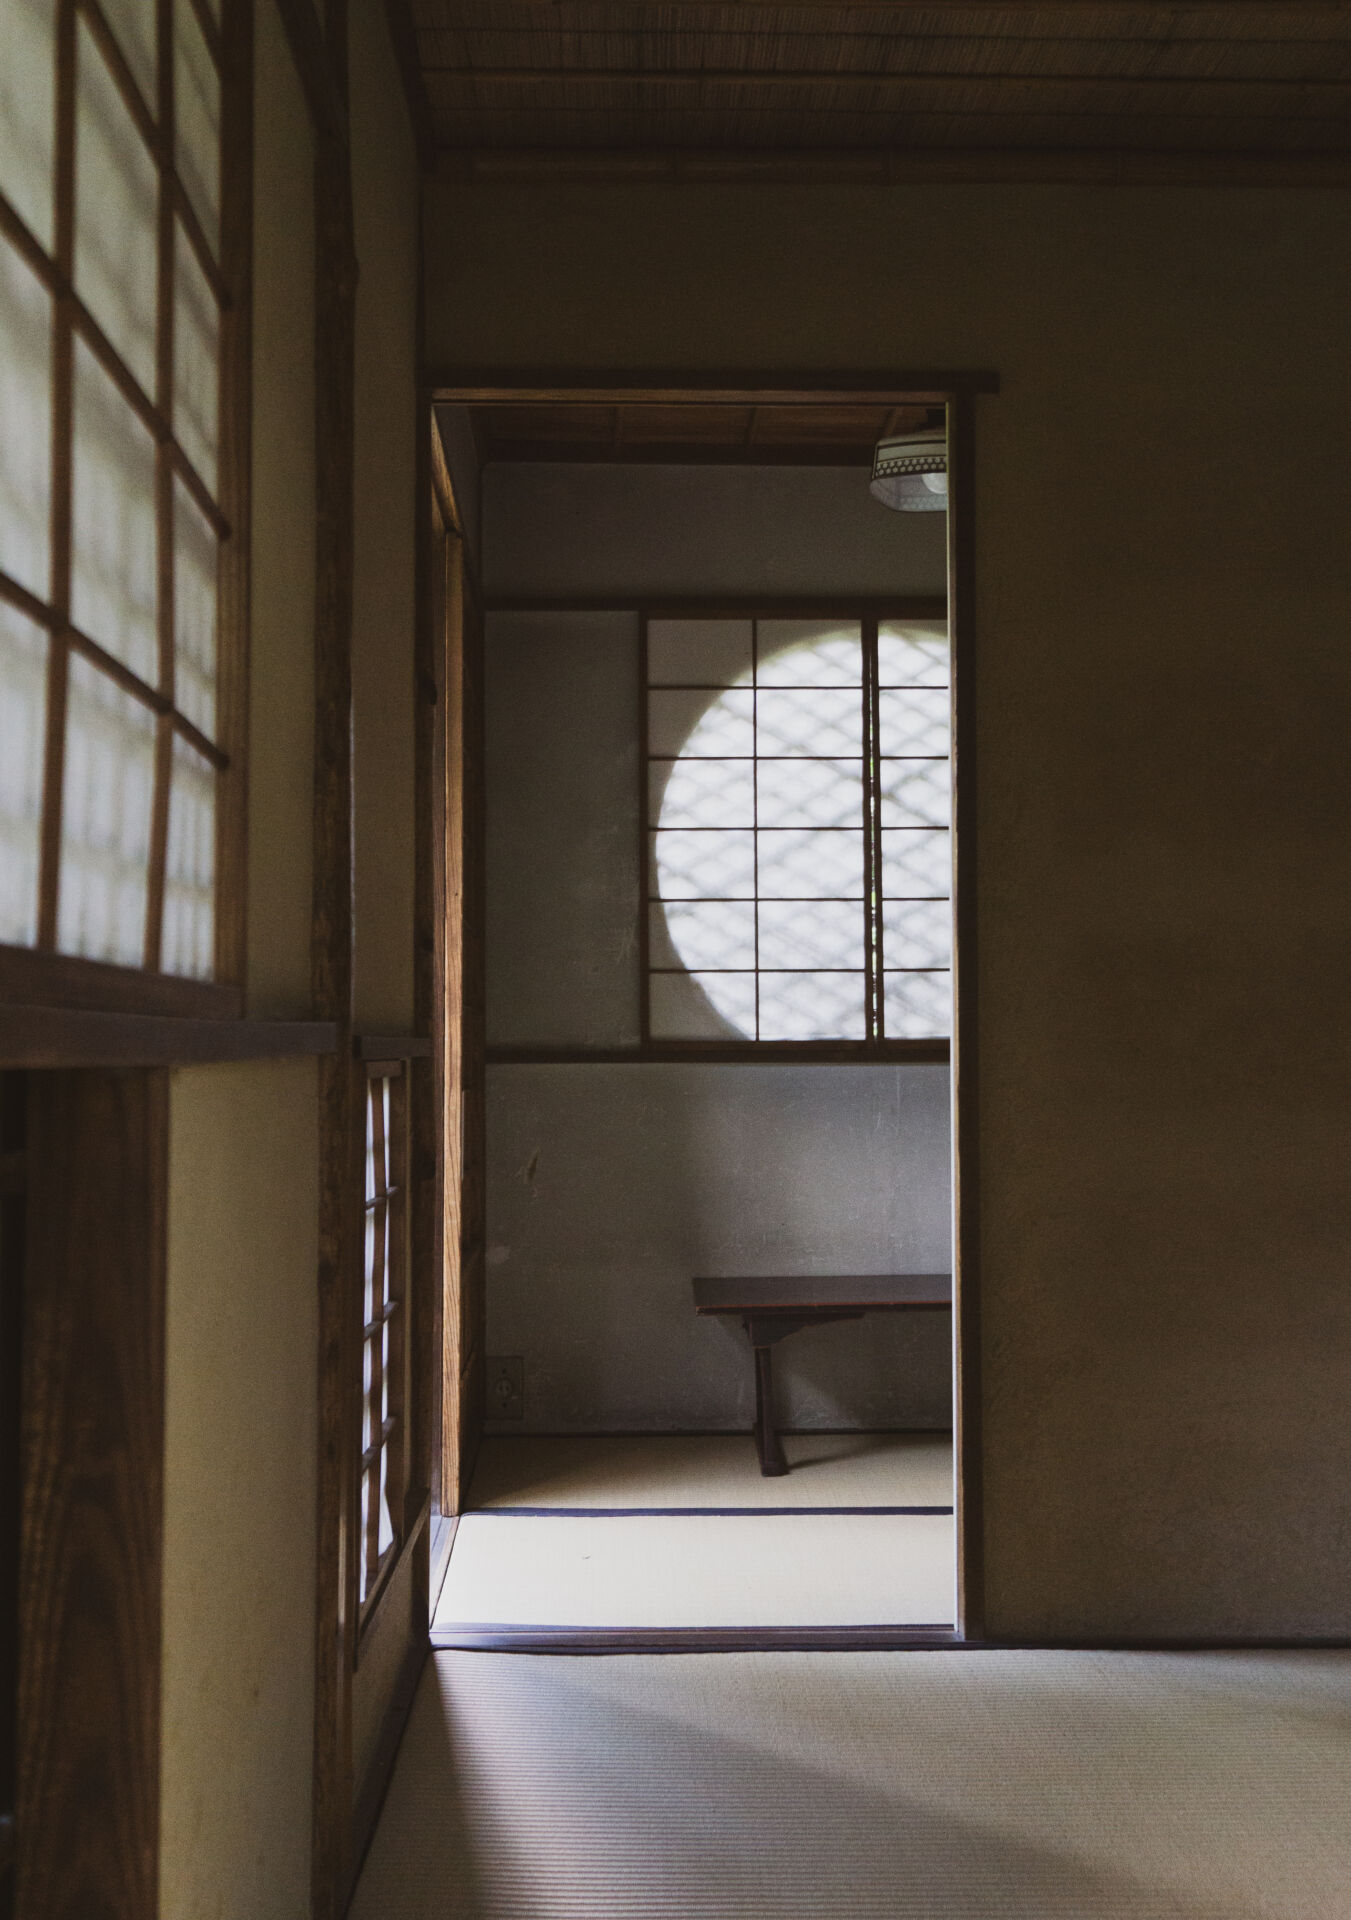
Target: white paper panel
[(702, 726), (197, 105), (196, 362), (916, 793), (190, 871), (23, 719), (28, 110), (812, 1006), (912, 653), (105, 819), (818, 721), (702, 793), (195, 614), (116, 195), (703, 934), (692, 864), (677, 1014), (796, 935), (698, 653), (913, 720), (809, 653), (916, 863), (113, 560), (133, 25), (809, 793), (25, 409), (917, 1006), (804, 864), (917, 933)]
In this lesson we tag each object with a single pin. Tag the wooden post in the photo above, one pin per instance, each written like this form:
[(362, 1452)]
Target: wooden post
[(91, 1559)]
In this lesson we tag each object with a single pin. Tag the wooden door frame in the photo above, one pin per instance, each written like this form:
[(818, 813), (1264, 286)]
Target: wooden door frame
[(450, 920), (957, 391)]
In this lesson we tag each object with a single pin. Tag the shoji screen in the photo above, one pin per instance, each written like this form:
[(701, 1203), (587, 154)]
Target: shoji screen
[(118, 374)]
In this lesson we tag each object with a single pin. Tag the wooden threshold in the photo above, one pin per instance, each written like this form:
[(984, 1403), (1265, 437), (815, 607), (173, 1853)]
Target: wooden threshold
[(84, 1037), (491, 1638)]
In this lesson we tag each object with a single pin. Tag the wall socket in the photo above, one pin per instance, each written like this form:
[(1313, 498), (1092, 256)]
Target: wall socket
[(506, 1387)]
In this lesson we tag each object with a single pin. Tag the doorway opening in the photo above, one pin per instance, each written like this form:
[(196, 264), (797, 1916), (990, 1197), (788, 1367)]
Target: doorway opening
[(708, 1337)]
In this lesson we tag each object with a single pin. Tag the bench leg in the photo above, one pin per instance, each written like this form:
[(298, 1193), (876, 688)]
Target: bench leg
[(767, 1443)]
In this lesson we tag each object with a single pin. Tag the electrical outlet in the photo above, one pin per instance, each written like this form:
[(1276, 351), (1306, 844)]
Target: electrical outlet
[(506, 1387)]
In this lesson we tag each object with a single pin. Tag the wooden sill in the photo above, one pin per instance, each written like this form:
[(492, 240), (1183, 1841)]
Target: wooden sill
[(32, 1036), (375, 1603), (34, 979)]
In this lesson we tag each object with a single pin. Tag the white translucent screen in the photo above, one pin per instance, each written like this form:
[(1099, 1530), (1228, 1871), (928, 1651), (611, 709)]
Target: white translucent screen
[(133, 25), (197, 111), (195, 613), (116, 201), (105, 819), (758, 795), (26, 413), (113, 578), (28, 111), (190, 868), (23, 716), (196, 360)]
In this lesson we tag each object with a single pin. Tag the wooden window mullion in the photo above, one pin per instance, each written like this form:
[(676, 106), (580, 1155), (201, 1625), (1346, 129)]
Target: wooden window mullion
[(872, 828), (395, 1293), (379, 1205), (63, 375), (164, 485)]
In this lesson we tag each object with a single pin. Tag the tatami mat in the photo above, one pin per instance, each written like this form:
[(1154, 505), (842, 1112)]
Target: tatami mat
[(768, 1570), (713, 1470), (911, 1786)]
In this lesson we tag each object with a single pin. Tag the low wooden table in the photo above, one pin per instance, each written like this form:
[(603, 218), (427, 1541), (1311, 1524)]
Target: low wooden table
[(773, 1306)]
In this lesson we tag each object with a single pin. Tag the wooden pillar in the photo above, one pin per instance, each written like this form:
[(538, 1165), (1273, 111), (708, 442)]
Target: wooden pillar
[(87, 1826)]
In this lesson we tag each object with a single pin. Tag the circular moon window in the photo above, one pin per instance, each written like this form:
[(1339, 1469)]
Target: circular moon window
[(801, 850)]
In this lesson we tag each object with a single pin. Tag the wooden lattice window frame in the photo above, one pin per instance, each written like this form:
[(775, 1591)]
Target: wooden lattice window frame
[(383, 1361), (873, 891), (45, 970)]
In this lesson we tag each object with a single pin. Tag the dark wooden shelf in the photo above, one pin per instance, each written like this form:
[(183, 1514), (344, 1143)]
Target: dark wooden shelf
[(84, 1037)]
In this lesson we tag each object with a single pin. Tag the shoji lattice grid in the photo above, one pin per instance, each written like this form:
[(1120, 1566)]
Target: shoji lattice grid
[(382, 1334), (798, 810), (112, 299)]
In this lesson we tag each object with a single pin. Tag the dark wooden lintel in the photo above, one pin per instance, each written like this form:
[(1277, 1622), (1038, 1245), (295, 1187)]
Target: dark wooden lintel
[(393, 1046), (505, 386), (83, 1037)]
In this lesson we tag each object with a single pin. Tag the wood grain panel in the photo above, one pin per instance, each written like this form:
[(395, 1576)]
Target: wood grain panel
[(93, 1483)]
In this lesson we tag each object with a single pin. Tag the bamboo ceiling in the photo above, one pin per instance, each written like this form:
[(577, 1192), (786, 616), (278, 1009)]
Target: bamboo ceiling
[(954, 86)]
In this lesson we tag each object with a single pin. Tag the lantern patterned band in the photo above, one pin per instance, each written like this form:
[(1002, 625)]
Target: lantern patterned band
[(910, 473)]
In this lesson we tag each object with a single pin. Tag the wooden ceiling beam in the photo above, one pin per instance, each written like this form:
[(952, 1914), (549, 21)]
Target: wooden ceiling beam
[(528, 387), (1281, 94), (1135, 13), (896, 166)]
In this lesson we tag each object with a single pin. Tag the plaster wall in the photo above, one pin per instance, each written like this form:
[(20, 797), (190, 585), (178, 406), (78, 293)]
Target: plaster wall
[(240, 1471), (577, 527), (241, 1338), (1164, 695), (609, 1187)]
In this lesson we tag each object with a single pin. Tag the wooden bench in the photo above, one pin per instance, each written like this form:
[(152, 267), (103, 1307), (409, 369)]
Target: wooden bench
[(773, 1306)]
